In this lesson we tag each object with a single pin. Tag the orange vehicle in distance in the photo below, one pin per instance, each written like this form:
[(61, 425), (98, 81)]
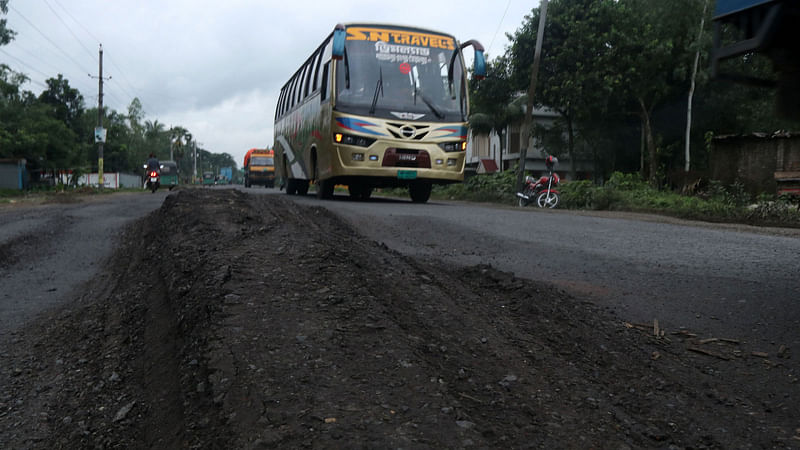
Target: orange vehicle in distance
[(259, 167)]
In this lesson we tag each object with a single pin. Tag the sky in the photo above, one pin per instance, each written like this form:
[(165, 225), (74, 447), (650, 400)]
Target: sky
[(215, 67)]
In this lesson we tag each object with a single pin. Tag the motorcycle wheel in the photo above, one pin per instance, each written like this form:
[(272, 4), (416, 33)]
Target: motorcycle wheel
[(542, 200), (522, 202)]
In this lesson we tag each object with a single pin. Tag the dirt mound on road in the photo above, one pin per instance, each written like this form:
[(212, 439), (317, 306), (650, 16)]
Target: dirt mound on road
[(236, 321)]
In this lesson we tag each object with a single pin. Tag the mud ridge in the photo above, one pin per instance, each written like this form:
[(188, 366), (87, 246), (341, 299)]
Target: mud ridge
[(236, 321)]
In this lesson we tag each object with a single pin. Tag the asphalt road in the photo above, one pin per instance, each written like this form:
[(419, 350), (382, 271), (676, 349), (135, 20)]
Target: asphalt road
[(720, 281), (48, 251)]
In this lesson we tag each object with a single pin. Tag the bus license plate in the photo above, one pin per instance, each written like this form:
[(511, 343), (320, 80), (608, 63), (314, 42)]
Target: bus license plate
[(407, 174)]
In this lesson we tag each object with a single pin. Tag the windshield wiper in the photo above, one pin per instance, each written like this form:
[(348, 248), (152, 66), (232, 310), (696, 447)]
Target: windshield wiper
[(428, 102), (425, 99), (378, 89)]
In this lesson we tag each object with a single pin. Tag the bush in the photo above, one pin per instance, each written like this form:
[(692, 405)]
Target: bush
[(733, 195), (626, 182), (585, 195)]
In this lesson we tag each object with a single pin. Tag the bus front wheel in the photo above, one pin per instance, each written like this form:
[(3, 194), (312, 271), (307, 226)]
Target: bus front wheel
[(420, 192), (325, 189), (291, 186)]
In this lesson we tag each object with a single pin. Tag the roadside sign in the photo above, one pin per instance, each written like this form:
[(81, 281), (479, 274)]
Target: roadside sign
[(100, 135)]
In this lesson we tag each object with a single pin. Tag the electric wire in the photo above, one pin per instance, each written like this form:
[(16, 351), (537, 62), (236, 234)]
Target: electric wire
[(48, 39), (50, 67), (28, 66), (77, 81), (37, 82), (120, 72), (70, 30), (77, 21), (124, 78), (489, 49)]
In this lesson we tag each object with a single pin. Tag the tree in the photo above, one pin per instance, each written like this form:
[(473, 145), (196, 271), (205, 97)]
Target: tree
[(649, 49), (66, 102), (6, 34), (491, 100), (574, 73)]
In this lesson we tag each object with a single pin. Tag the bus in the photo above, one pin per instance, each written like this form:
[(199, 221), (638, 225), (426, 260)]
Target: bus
[(376, 106)]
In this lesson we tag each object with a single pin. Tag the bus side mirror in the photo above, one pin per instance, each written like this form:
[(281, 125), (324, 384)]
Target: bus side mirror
[(479, 68), (339, 36)]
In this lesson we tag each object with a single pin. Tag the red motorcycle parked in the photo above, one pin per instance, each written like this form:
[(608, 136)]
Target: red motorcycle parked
[(542, 191)]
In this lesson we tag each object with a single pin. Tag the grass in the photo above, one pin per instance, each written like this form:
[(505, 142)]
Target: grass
[(628, 192)]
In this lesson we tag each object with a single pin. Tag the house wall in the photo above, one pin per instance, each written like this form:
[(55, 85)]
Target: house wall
[(12, 174), (488, 146), (753, 160)]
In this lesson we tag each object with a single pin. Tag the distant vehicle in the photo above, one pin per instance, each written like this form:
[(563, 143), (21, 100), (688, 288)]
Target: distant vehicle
[(169, 174), (376, 106), (259, 167), (225, 175), (208, 178)]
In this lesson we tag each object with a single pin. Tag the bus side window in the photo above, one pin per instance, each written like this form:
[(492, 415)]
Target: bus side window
[(316, 72), (324, 86), (309, 75), (279, 109), (300, 83), (294, 92)]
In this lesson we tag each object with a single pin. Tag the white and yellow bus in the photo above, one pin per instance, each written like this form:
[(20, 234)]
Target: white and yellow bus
[(376, 106)]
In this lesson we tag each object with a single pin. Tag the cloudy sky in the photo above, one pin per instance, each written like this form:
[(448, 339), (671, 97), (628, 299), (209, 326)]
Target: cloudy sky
[(214, 67)]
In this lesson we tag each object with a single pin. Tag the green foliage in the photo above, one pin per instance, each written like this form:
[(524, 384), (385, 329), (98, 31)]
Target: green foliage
[(54, 131), (733, 195), (6, 34), (626, 182), (495, 187), (584, 195), (612, 68)]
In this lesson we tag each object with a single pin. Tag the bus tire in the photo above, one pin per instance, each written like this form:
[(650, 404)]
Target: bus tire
[(302, 187), (325, 189), (359, 191), (420, 192), (291, 186)]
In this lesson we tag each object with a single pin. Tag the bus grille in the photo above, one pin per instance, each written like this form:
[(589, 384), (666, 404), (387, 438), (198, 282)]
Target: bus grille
[(401, 157), (407, 131)]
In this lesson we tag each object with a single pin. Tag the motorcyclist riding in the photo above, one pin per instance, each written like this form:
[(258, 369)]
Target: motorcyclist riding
[(153, 164)]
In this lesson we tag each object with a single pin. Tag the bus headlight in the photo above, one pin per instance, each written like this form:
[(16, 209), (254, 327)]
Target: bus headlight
[(455, 146), (347, 139)]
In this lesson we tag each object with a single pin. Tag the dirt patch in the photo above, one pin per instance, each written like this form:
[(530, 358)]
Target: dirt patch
[(236, 321)]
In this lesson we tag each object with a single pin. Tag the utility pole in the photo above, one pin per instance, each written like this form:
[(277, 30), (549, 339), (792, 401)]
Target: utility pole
[(99, 132), (523, 152), (194, 172)]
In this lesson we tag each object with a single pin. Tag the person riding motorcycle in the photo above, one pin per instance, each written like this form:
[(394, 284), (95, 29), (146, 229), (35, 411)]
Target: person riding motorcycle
[(153, 164)]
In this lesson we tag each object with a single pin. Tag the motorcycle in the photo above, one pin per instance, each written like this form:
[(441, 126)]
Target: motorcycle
[(541, 191), (153, 180)]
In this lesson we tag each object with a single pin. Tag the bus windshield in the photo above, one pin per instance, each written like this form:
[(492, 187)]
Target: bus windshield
[(387, 80), (261, 161)]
